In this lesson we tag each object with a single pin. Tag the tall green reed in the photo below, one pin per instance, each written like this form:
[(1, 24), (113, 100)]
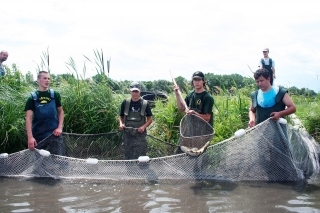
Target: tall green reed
[(90, 107), (12, 117), (166, 118), (230, 114)]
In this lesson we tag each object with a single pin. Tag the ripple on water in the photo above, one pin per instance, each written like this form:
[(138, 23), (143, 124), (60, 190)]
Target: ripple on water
[(37, 195), (23, 210)]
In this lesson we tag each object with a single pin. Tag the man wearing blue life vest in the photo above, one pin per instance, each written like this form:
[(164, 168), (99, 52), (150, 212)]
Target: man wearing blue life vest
[(198, 101), (268, 64), (3, 57), (268, 101), (135, 116), (44, 117)]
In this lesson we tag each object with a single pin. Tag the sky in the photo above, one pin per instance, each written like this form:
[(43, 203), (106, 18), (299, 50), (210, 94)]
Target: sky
[(145, 40)]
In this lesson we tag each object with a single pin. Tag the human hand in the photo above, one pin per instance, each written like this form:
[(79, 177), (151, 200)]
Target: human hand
[(275, 115), (252, 123), (141, 129), (57, 132), (189, 112), (121, 127), (32, 143), (176, 88)]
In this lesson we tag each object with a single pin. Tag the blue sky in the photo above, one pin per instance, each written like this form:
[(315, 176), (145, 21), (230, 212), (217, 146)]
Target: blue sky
[(146, 39)]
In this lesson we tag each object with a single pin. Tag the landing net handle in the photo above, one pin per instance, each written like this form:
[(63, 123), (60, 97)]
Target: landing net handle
[(179, 92)]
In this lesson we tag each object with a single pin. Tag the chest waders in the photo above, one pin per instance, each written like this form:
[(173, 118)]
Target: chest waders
[(269, 68), (45, 121), (263, 114), (134, 143), (135, 119)]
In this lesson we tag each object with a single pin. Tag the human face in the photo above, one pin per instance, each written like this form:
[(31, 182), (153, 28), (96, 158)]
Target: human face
[(263, 83), (197, 83), (135, 95), (265, 54), (3, 56), (44, 81)]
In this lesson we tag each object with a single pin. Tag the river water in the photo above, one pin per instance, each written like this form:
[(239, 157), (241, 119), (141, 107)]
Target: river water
[(50, 195)]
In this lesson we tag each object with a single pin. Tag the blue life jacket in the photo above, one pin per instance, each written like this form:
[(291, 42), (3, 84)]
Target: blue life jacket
[(263, 114), (45, 117)]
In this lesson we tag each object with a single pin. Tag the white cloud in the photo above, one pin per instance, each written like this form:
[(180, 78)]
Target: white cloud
[(146, 39)]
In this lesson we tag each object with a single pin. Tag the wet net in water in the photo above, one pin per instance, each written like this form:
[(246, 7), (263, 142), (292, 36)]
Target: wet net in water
[(270, 151)]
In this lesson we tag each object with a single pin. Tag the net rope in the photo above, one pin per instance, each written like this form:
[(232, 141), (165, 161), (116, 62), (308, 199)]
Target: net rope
[(270, 151)]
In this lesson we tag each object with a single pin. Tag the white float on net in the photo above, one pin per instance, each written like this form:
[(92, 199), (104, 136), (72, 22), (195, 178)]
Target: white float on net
[(239, 133), (43, 152), (144, 159), (92, 161), (4, 155), (282, 121)]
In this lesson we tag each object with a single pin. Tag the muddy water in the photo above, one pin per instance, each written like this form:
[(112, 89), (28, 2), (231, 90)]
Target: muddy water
[(49, 195)]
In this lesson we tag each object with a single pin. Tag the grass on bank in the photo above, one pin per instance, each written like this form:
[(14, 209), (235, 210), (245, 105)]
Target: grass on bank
[(93, 107)]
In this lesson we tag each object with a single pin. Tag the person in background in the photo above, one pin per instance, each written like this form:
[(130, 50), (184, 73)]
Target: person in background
[(268, 63), (44, 117), (3, 57), (135, 116), (268, 101), (199, 101)]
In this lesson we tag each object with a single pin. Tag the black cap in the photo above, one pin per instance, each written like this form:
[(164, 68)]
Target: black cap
[(135, 86), (198, 74)]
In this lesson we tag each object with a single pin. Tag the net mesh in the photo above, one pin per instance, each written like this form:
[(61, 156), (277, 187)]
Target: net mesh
[(270, 151), (195, 132)]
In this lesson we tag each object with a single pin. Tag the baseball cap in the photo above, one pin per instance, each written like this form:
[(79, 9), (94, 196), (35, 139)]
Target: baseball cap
[(265, 50), (198, 74), (135, 86)]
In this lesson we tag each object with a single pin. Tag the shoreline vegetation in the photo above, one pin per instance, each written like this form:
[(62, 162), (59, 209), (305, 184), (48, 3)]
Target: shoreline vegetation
[(91, 106)]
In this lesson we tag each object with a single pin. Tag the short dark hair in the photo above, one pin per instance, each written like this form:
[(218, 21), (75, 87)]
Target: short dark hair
[(261, 72), (39, 74)]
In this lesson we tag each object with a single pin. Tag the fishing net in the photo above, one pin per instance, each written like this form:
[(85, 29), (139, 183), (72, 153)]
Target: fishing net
[(194, 132), (270, 151)]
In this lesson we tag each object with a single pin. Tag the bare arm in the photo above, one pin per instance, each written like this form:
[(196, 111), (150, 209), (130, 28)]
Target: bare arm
[(291, 108), (205, 117), (31, 141), (58, 130), (274, 72), (252, 116), (121, 123), (260, 65), (180, 101)]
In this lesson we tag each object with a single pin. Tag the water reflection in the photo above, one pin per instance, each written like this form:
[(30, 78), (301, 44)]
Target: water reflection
[(46, 194)]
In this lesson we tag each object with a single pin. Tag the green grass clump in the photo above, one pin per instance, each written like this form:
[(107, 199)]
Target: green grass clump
[(308, 111)]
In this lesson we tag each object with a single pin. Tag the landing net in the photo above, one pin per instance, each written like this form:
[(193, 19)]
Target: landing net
[(195, 132), (270, 151)]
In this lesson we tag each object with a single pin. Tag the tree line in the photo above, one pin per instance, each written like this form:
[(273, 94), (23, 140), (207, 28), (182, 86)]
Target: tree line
[(215, 84)]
